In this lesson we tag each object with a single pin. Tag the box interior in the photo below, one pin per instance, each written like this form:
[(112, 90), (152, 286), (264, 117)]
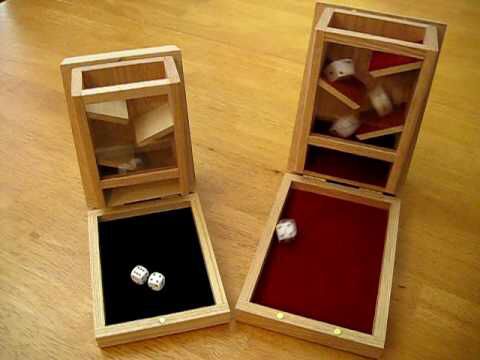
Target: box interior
[(331, 271), (343, 165), (336, 99), (380, 27), (118, 75), (132, 136), (165, 242)]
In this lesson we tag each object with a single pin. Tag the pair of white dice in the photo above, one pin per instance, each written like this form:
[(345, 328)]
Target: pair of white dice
[(140, 274)]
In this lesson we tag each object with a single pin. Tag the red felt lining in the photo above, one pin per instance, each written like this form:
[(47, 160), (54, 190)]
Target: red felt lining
[(382, 60), (347, 166), (331, 271), (351, 87)]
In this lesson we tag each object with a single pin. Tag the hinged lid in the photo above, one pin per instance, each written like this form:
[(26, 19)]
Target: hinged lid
[(380, 106), (129, 120)]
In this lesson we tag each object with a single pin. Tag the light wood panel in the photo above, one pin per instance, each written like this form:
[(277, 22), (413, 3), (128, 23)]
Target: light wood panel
[(114, 111), (241, 128)]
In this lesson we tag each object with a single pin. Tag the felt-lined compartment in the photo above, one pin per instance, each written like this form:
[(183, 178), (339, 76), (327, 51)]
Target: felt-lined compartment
[(347, 166), (166, 242), (331, 271)]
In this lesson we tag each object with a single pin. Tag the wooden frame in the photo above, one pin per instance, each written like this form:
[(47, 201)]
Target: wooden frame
[(309, 329), (324, 33), (107, 335), (92, 183)]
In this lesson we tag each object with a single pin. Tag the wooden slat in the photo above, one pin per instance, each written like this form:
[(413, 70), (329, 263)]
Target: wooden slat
[(413, 120), (111, 111), (339, 95), (378, 16), (386, 275), (396, 69), (96, 270), (153, 124), (163, 325), (144, 177), (373, 42), (207, 250), (141, 192), (114, 156), (353, 147), (306, 105), (340, 180), (124, 91)]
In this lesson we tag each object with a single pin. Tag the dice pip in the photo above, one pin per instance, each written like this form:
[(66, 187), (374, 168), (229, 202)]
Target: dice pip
[(156, 281), (286, 230), (339, 69), (139, 275)]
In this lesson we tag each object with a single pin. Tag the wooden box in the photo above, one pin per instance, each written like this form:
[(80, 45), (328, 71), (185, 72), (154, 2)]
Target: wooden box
[(130, 126), (332, 284)]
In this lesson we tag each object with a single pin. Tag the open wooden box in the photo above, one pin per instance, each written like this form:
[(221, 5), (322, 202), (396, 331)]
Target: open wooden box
[(332, 284), (129, 121)]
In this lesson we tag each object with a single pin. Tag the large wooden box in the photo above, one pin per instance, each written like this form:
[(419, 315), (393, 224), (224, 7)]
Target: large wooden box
[(129, 120), (332, 284)]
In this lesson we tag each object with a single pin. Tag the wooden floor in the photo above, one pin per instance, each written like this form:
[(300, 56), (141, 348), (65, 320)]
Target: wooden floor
[(243, 64)]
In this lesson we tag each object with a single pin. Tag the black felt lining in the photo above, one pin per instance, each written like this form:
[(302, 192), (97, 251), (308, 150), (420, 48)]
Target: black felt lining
[(166, 242)]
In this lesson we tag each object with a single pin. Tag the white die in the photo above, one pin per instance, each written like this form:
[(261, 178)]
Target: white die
[(156, 281), (380, 101), (345, 126), (139, 275), (339, 69), (130, 165), (286, 230)]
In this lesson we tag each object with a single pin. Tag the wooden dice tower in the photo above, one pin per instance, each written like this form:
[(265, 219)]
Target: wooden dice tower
[(332, 284), (129, 120)]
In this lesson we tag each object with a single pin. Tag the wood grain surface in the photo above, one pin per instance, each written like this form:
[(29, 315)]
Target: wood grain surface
[(243, 62)]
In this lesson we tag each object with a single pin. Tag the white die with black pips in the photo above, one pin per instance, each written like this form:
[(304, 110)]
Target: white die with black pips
[(156, 281), (286, 230), (139, 275), (339, 69)]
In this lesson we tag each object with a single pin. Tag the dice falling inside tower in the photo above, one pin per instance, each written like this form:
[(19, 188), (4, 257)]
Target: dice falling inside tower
[(286, 230), (339, 69), (345, 126)]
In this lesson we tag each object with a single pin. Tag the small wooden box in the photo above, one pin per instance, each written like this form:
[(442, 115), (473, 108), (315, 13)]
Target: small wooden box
[(129, 121), (332, 283)]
